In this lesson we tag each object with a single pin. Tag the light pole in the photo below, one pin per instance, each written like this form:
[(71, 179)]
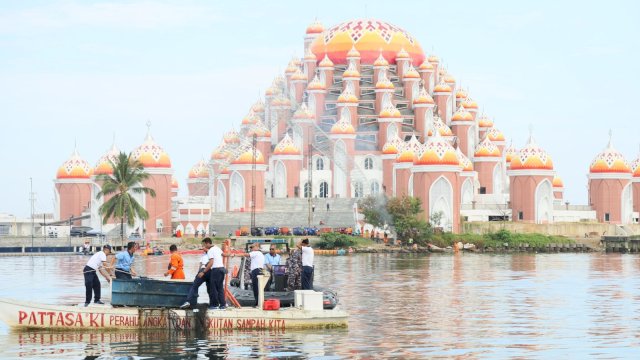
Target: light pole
[(31, 200)]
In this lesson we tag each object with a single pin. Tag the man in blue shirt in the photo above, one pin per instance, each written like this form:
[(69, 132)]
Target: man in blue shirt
[(124, 262), (271, 259)]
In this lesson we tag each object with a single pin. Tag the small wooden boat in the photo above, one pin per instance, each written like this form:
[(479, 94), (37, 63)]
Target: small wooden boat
[(146, 292), (29, 315)]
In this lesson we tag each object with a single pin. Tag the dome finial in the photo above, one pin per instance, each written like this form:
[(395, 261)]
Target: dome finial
[(149, 138), (531, 141), (610, 139)]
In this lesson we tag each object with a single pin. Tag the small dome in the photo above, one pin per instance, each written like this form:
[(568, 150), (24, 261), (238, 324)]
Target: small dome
[(316, 84), (250, 119), (103, 166), (151, 155), (384, 82), (291, 68), (532, 157), (441, 127), (343, 127), (426, 66), (423, 97), (231, 137), (258, 107), (510, 153), (402, 54), (380, 61), (348, 95), (281, 101), (326, 62), (220, 152), (462, 115), (392, 146), (437, 151), (315, 28), (246, 157), (449, 79), (259, 129), (224, 170), (557, 182), (433, 59), (351, 72), (411, 73), (470, 104), (286, 146), (495, 135), (635, 167), (303, 113), (199, 171), (298, 75), (610, 161), (465, 163), (485, 121), (389, 111), (353, 53), (310, 56), (174, 184), (442, 87), (74, 168), (270, 91), (461, 94), (487, 148), (409, 150)]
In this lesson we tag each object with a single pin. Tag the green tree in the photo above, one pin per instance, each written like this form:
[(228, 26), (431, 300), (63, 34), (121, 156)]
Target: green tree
[(128, 175), (373, 209), (405, 213)]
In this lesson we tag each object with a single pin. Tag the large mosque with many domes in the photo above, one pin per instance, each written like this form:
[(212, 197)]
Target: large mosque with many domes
[(364, 112)]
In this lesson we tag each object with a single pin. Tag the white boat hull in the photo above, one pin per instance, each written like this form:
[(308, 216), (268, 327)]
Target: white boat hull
[(29, 315)]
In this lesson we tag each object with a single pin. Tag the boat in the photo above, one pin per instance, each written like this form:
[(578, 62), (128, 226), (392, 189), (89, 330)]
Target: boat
[(19, 314), (242, 291), (148, 292)]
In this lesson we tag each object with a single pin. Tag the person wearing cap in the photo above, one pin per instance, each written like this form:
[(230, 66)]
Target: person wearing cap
[(97, 262), (124, 262), (307, 265)]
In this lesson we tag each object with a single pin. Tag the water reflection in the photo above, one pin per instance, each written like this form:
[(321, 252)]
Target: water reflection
[(401, 306)]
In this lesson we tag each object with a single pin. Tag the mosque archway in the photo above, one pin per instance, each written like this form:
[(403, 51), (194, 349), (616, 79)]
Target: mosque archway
[(544, 202), (221, 198), (280, 184), (441, 202), (236, 199)]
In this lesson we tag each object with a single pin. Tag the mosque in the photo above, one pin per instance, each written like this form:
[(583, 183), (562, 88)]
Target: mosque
[(364, 112)]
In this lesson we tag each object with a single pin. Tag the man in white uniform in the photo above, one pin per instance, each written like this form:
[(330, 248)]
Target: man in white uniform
[(307, 265), (257, 263), (217, 299), (202, 277), (98, 262)]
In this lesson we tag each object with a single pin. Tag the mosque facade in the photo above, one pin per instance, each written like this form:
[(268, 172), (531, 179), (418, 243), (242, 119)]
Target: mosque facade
[(365, 112)]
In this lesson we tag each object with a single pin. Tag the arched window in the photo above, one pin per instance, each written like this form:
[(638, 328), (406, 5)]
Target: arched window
[(324, 189), (307, 190), (375, 188), (368, 163), (319, 164), (358, 189)]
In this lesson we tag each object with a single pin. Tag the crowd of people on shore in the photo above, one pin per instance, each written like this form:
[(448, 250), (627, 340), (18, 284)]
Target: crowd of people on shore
[(211, 270)]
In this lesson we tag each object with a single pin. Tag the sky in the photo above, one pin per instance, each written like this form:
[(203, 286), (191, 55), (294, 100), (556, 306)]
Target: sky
[(81, 73)]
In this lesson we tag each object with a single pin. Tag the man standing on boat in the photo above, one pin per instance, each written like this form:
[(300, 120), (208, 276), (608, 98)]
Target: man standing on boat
[(176, 264), (97, 262), (270, 260), (124, 262), (216, 278), (257, 263), (307, 265), (201, 278)]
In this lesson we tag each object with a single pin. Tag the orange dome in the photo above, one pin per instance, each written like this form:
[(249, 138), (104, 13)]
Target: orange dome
[(531, 157), (74, 168), (316, 84), (510, 153), (104, 167), (246, 157), (224, 170), (470, 104), (495, 135), (259, 130), (315, 28), (348, 95), (423, 98), (392, 146), (326, 62), (231, 137), (251, 118), (281, 101), (343, 127), (309, 56), (298, 75), (353, 53), (461, 94), (437, 151), (258, 107), (351, 72), (370, 37), (219, 153), (465, 163), (409, 151), (557, 182), (270, 91), (199, 171), (174, 184), (380, 61), (449, 79), (635, 167), (462, 115), (487, 148), (442, 87), (151, 155), (384, 82), (291, 68), (485, 121), (426, 66), (303, 113), (402, 54), (411, 73), (433, 59), (286, 146), (389, 111), (610, 161), (441, 127)]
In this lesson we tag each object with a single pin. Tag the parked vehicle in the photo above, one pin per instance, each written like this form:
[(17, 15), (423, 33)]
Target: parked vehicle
[(80, 231), (272, 230)]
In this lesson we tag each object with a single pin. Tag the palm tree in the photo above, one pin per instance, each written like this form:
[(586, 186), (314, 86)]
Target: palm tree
[(128, 175)]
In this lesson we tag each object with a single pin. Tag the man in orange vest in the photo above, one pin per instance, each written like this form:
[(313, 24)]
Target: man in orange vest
[(176, 264)]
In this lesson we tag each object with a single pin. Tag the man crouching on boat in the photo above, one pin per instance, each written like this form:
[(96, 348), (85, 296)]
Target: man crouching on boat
[(98, 262), (202, 277)]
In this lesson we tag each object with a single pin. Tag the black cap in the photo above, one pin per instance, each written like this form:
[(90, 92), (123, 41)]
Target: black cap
[(106, 247)]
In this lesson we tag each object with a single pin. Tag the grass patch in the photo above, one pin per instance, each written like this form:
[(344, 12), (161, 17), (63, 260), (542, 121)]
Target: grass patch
[(502, 238)]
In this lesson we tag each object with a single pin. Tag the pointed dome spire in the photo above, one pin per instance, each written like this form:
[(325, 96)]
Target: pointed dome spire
[(298, 76), (485, 121), (433, 59), (409, 150), (343, 127), (310, 56), (383, 81), (426, 66), (470, 104), (461, 94), (610, 161), (303, 114), (258, 106), (286, 146), (442, 128), (461, 115), (348, 95), (150, 154), (74, 168), (246, 156), (531, 157), (380, 61), (423, 98), (220, 152), (174, 184), (353, 53), (402, 54), (437, 152), (487, 148), (411, 73), (442, 88), (558, 184), (259, 129), (199, 171), (389, 111), (231, 137), (314, 28), (326, 62), (392, 146), (250, 118), (510, 153), (351, 72), (495, 135), (103, 166), (465, 163), (316, 84), (291, 68)]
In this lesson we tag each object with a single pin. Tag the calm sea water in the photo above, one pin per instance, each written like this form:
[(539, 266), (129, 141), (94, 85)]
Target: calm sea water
[(402, 306)]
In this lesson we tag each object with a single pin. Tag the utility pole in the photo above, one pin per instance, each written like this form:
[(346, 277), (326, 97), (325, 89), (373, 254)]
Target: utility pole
[(254, 143), (31, 199), (310, 176)]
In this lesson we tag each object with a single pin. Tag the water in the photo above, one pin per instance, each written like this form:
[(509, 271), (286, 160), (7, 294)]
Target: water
[(401, 306)]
